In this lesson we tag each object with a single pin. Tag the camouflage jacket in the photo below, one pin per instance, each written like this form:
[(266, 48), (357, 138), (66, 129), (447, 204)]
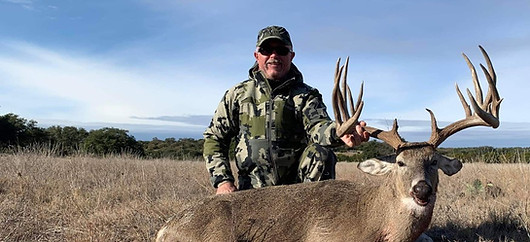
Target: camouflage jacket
[(271, 127)]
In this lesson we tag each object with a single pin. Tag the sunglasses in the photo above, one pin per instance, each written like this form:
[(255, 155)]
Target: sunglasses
[(268, 50)]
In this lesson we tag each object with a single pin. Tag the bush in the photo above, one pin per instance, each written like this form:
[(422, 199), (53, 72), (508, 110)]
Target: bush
[(181, 149), (107, 141)]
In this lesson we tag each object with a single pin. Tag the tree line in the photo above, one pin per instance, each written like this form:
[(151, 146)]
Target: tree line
[(17, 132), (485, 154)]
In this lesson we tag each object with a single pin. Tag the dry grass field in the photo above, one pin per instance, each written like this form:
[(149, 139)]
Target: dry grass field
[(44, 198)]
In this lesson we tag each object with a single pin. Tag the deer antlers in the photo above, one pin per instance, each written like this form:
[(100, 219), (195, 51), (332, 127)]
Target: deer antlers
[(340, 103), (341, 97), (486, 111)]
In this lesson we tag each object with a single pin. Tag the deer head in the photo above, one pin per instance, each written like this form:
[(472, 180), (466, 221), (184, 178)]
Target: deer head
[(415, 164)]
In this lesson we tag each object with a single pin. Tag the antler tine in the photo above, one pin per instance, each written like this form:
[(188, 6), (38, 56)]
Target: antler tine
[(485, 112), (492, 81), (390, 137), (359, 105), (335, 97), (353, 106), (476, 83), (359, 98), (339, 101), (350, 99), (462, 100), (490, 66), (489, 95), (344, 91), (435, 131)]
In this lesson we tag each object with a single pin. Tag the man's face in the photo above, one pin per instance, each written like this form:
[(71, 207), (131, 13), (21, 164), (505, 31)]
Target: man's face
[(273, 60)]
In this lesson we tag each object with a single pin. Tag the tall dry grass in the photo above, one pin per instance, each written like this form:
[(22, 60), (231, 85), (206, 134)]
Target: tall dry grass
[(120, 198), (44, 198)]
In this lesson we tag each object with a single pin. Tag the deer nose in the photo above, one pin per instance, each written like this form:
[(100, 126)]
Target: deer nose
[(422, 190)]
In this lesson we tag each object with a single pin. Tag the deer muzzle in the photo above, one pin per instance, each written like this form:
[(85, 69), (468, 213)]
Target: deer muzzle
[(421, 192)]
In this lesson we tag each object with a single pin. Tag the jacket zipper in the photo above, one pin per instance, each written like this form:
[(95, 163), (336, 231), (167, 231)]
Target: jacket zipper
[(270, 104), (269, 127), (269, 138)]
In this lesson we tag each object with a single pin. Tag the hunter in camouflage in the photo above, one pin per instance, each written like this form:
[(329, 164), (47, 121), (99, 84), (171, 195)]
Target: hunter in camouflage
[(279, 124)]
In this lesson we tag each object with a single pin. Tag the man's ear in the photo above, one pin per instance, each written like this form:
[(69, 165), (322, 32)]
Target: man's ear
[(256, 55), (448, 165), (377, 166)]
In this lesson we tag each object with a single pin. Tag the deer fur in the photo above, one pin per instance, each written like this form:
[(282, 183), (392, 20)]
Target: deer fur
[(334, 210)]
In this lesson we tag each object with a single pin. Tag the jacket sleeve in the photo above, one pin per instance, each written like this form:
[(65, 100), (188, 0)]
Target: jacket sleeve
[(217, 139), (319, 127)]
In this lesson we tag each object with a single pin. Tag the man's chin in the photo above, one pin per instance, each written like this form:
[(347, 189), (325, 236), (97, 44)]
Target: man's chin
[(274, 75)]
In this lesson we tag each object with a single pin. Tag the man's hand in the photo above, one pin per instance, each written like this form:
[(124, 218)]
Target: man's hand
[(356, 138), (226, 187)]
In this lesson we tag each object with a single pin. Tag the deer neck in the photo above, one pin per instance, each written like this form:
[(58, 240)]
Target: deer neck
[(410, 219)]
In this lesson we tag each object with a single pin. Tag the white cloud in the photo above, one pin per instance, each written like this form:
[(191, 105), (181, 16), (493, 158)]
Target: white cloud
[(99, 90)]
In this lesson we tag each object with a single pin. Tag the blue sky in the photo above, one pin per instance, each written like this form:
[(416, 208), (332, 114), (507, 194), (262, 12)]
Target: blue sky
[(159, 68)]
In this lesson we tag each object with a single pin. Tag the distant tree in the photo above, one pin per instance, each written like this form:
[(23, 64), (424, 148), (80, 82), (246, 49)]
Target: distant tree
[(12, 129), (363, 151), (111, 141), (154, 148), (17, 131), (374, 148), (67, 140), (181, 149)]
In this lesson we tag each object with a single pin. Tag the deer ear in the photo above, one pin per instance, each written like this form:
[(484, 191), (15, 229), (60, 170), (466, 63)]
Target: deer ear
[(448, 165), (376, 166)]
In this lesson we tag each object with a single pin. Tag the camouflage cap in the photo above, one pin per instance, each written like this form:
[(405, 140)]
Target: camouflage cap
[(274, 32)]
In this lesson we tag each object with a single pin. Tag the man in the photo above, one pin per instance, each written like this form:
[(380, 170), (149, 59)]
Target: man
[(279, 124)]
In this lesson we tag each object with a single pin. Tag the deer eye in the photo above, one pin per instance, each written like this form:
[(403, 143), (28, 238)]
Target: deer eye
[(400, 163), (434, 163)]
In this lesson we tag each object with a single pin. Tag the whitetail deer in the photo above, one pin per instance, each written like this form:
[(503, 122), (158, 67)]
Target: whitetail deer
[(398, 209)]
